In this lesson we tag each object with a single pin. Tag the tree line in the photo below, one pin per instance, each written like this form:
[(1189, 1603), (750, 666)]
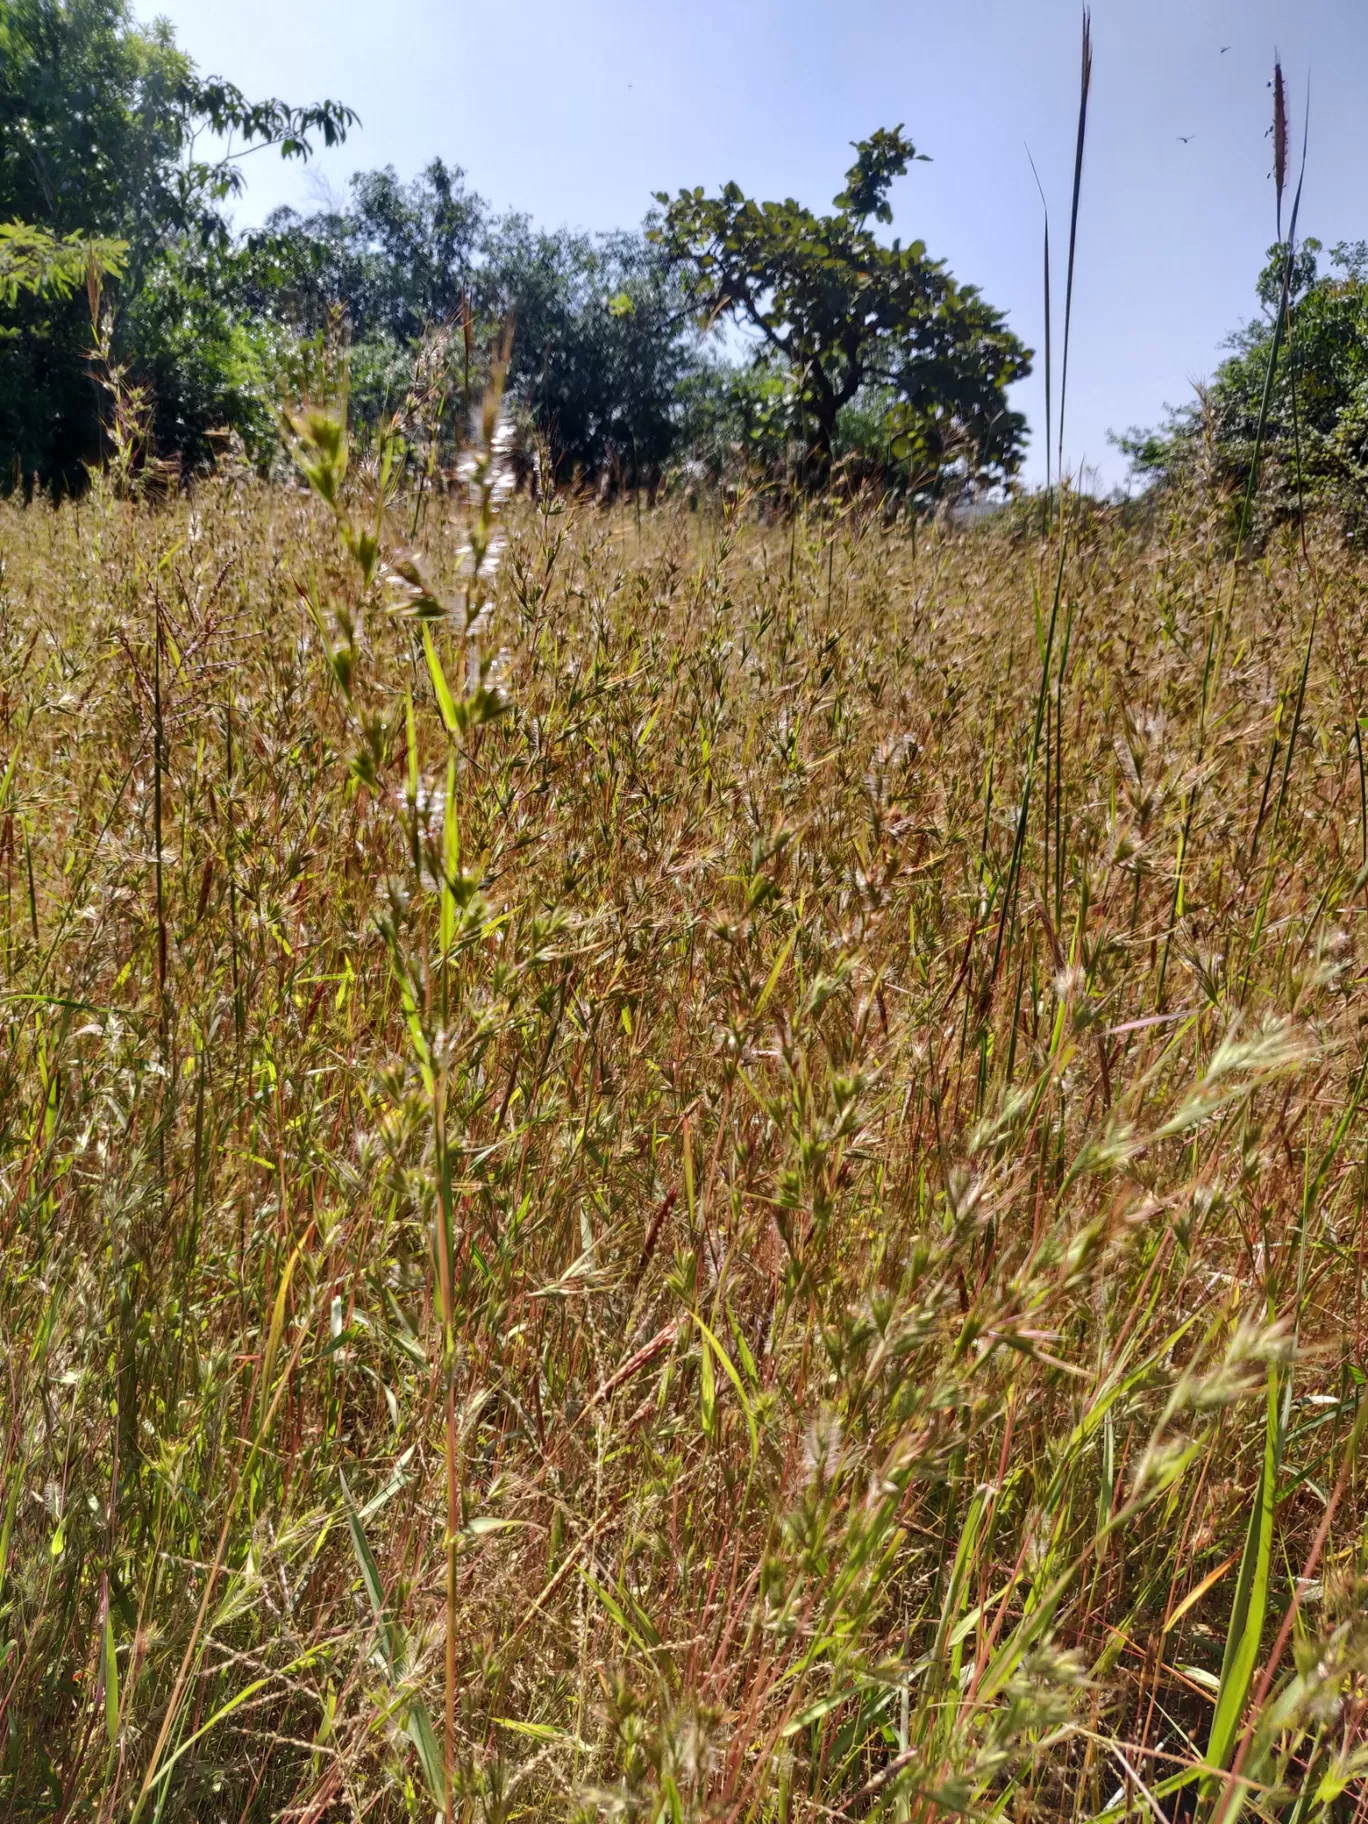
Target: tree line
[(858, 356), (858, 353)]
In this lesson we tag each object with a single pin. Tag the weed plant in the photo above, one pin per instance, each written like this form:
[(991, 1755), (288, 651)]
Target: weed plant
[(774, 1233)]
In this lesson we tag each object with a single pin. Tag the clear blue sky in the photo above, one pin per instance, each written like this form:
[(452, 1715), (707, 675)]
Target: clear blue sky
[(577, 113)]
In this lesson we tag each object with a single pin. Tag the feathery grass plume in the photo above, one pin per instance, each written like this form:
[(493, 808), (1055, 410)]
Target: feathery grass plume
[(1221, 616), (131, 467), (1282, 323), (422, 414), (1280, 132)]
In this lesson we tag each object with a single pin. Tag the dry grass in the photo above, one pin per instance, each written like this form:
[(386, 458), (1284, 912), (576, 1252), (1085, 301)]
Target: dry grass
[(888, 1279)]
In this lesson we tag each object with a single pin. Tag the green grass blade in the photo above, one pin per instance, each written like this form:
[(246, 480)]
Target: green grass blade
[(370, 1576), (1245, 1628)]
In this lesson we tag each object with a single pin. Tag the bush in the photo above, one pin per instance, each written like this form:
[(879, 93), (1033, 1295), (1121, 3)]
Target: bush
[(1315, 442)]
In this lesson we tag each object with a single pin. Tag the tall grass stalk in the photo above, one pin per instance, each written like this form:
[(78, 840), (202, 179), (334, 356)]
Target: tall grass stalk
[(1049, 342), (1009, 898), (320, 433)]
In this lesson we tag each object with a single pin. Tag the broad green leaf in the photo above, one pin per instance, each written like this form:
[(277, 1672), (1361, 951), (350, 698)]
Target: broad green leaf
[(7, 1530), (729, 1369), (541, 1732), (273, 1339), (707, 1393), (411, 735), (774, 974), (451, 860)]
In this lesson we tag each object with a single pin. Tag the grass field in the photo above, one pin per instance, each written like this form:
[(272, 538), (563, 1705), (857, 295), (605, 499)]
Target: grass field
[(833, 1148)]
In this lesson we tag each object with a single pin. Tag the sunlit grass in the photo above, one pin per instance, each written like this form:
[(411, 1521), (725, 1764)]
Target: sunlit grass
[(907, 1256)]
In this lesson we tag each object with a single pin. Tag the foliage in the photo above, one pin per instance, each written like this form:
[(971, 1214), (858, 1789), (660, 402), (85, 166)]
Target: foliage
[(209, 366), (102, 123), (602, 348), (872, 356), (746, 423), (33, 261), (906, 1305), (398, 260), (740, 422), (846, 314), (1316, 441)]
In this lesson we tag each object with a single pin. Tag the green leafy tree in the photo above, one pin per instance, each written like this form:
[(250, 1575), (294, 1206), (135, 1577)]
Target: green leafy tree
[(399, 259), (396, 262), (603, 344), (851, 316), (34, 262), (207, 363), (602, 351), (1315, 440), (103, 125)]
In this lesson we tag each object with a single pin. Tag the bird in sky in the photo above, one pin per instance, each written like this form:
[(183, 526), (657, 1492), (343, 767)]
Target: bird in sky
[(1187, 138), (1224, 49)]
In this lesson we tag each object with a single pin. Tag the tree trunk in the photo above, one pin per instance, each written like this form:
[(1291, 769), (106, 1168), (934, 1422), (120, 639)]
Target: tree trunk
[(820, 429)]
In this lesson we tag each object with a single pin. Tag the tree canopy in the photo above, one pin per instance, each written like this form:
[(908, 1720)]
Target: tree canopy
[(848, 314), (1315, 439), (102, 125), (602, 343), (602, 349), (118, 158), (397, 257)]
